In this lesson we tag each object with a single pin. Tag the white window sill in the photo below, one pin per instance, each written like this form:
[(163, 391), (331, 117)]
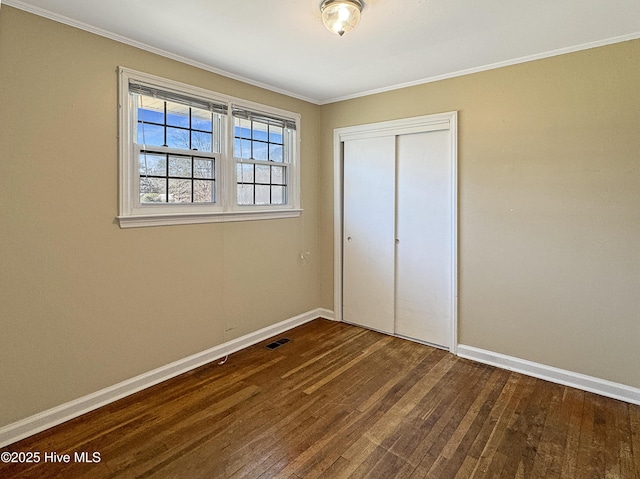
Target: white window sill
[(140, 221)]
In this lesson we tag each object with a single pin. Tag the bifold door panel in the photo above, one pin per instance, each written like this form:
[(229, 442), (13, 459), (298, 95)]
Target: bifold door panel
[(369, 228), (423, 250)]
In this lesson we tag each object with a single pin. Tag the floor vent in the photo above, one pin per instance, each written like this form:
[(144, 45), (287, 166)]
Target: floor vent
[(278, 343)]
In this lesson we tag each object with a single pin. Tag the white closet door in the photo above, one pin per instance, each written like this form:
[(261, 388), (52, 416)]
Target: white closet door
[(424, 251), (369, 232)]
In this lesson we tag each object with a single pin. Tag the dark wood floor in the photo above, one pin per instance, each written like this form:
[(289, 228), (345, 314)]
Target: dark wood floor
[(339, 401)]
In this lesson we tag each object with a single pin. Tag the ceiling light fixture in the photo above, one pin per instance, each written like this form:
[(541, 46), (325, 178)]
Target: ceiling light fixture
[(341, 16)]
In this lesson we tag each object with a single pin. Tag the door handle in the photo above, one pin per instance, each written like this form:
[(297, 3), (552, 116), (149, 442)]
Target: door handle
[(349, 238)]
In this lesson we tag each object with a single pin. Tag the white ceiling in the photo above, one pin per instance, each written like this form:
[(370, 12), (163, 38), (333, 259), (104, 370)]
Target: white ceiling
[(282, 44)]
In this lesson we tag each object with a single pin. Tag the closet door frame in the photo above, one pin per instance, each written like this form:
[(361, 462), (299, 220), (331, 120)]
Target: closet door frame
[(441, 121)]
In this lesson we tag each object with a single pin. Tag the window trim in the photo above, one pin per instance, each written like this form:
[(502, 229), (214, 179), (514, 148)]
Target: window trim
[(131, 213)]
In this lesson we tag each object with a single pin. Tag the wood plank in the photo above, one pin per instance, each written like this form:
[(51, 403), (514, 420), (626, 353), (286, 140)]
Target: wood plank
[(572, 444), (453, 455), (548, 460), (352, 363), (497, 425)]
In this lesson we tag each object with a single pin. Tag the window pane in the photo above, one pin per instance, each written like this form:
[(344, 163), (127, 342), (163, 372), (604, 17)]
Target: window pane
[(275, 134), (245, 194), (278, 195), (275, 153), (153, 164), (204, 191), (177, 114), (203, 168), (150, 134), (245, 173), (263, 174), (153, 190), (150, 116), (242, 149), (263, 194), (260, 131), (201, 120), (180, 166), (201, 141), (150, 109), (179, 191), (178, 138), (260, 151), (278, 175), (242, 128)]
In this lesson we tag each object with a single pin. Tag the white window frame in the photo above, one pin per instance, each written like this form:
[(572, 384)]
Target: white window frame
[(132, 213)]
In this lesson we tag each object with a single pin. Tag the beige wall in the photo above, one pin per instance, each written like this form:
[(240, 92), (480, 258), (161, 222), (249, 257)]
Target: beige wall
[(549, 205), (549, 164), (86, 304)]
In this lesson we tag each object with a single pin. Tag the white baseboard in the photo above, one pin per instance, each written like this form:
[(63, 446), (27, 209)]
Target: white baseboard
[(549, 373), (59, 414), (326, 314)]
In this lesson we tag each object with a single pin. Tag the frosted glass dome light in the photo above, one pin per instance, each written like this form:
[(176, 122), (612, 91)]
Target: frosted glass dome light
[(341, 16)]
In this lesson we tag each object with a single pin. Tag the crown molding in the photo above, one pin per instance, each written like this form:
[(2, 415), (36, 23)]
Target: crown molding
[(492, 66), (41, 12), (188, 61)]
